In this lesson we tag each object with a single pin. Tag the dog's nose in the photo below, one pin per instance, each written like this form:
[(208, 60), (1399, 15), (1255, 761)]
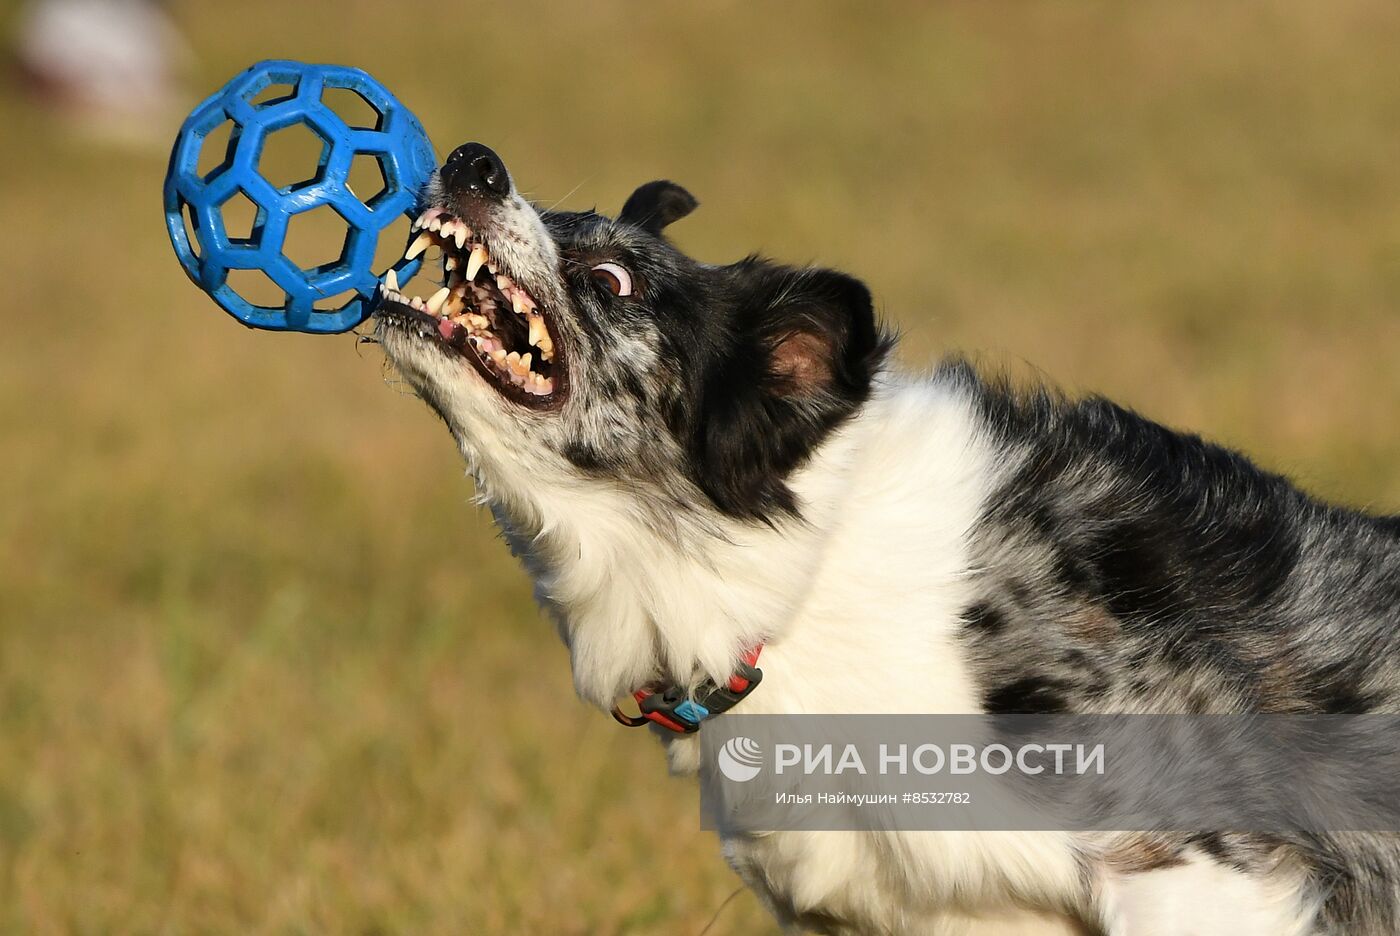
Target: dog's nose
[(476, 169)]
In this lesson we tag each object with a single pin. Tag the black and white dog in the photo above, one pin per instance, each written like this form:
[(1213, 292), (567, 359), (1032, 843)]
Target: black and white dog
[(696, 460)]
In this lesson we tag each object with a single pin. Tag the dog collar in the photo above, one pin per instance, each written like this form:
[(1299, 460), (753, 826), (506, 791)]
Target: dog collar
[(673, 709)]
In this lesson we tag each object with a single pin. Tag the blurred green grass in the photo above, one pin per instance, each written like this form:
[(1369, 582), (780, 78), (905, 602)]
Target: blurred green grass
[(264, 669)]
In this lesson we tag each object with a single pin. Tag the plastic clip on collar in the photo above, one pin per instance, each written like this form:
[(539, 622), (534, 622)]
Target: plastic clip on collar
[(673, 710)]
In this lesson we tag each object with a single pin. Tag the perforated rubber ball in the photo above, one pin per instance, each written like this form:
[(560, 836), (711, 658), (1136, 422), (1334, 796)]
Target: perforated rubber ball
[(333, 289)]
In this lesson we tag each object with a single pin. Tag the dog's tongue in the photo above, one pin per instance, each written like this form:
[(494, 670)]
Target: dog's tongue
[(449, 330)]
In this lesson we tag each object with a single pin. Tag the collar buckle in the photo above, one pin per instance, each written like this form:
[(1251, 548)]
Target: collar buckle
[(673, 710)]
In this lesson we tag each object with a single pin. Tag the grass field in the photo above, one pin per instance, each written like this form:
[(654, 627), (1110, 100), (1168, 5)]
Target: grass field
[(264, 669)]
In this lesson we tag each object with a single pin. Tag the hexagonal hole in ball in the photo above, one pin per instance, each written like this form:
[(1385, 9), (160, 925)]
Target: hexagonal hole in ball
[(293, 157), (216, 150), (191, 228), (357, 113), (389, 249), (256, 287), (366, 180), (274, 93), (334, 303), (241, 220), (315, 239)]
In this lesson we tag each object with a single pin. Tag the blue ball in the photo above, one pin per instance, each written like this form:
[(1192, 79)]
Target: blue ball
[(396, 141)]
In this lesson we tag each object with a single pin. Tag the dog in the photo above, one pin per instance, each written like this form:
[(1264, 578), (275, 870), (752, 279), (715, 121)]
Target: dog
[(693, 461)]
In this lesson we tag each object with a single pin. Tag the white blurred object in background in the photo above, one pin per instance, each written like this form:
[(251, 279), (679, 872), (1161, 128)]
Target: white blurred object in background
[(111, 64)]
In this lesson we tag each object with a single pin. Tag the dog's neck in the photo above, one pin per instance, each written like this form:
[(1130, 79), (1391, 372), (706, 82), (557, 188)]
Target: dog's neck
[(641, 597), (645, 593)]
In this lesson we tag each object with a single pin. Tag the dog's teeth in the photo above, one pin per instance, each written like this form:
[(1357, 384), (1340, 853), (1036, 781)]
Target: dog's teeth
[(422, 243), (417, 303), (499, 356), (459, 234), (449, 263), (503, 283), (491, 267), (521, 302), (474, 262), (391, 280), (437, 224), (536, 327), (437, 299)]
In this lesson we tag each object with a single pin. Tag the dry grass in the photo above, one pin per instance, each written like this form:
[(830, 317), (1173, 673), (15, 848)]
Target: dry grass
[(263, 669)]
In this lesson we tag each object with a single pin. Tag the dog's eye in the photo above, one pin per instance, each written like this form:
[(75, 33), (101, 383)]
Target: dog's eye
[(614, 278)]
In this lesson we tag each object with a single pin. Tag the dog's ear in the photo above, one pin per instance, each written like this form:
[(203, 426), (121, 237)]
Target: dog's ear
[(819, 336), (655, 205), (805, 356)]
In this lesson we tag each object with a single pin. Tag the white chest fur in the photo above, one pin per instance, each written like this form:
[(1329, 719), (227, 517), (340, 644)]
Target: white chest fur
[(857, 605)]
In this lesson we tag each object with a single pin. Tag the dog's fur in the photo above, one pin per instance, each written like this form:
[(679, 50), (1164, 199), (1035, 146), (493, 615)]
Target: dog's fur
[(737, 460)]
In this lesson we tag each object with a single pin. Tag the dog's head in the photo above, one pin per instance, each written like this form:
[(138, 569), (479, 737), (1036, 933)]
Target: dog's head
[(567, 346)]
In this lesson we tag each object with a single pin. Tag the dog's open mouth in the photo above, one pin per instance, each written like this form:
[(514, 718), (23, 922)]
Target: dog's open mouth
[(480, 312)]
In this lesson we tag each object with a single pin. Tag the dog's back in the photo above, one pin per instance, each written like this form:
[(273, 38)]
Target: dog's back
[(1127, 567), (1124, 567)]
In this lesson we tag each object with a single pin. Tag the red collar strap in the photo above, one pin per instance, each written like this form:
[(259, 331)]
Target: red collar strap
[(672, 709)]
